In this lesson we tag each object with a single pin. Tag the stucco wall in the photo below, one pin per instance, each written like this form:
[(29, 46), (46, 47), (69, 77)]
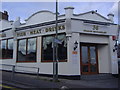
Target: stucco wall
[(104, 59)]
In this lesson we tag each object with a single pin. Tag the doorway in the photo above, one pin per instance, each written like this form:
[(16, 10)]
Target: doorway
[(89, 58)]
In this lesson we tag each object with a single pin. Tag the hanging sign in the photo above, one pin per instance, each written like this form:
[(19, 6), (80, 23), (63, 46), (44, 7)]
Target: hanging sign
[(74, 52)]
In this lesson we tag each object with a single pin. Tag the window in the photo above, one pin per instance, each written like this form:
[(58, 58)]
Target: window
[(7, 48), (47, 48), (26, 50)]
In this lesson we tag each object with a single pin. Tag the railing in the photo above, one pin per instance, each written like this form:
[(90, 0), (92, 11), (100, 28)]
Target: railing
[(21, 69)]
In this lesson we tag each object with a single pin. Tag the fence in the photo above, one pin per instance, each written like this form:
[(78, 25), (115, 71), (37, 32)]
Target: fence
[(21, 69)]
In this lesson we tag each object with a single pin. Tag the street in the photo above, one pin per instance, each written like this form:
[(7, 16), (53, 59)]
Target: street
[(25, 81)]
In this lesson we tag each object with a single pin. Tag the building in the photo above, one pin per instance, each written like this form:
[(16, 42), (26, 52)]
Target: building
[(86, 43), (4, 15)]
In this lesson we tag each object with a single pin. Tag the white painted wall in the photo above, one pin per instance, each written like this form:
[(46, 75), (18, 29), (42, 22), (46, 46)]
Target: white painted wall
[(79, 26), (90, 16), (40, 17), (113, 56), (4, 24), (87, 38), (104, 59)]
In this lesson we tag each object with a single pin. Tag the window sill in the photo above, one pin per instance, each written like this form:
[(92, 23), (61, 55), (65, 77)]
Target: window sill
[(51, 61), (6, 58), (25, 61)]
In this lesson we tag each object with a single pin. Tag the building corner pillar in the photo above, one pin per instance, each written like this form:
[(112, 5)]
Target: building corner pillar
[(113, 56)]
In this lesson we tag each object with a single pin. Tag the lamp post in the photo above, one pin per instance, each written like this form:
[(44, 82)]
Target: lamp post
[(55, 49)]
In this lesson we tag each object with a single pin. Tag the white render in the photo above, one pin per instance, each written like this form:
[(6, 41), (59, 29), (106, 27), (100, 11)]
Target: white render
[(76, 30)]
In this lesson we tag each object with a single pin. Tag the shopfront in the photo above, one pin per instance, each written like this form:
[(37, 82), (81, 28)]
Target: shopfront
[(85, 43)]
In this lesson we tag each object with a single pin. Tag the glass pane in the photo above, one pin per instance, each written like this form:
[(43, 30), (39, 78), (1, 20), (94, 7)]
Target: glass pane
[(84, 55), (85, 68), (92, 55), (47, 50), (93, 68), (10, 44), (62, 48), (4, 48), (47, 47), (46, 41), (4, 42), (31, 50), (21, 50), (62, 52), (10, 48)]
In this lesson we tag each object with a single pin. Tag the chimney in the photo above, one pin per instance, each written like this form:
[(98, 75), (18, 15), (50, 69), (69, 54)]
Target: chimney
[(69, 12), (5, 12), (68, 15), (4, 15), (110, 17)]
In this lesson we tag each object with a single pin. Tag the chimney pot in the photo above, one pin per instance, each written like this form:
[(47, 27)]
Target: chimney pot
[(5, 12), (69, 12), (110, 16)]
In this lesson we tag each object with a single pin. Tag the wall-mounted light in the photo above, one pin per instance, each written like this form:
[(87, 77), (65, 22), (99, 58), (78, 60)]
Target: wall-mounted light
[(115, 46), (75, 45), (68, 36)]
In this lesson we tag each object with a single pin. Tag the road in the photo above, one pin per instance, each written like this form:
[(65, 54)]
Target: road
[(5, 87), (23, 81), (31, 81)]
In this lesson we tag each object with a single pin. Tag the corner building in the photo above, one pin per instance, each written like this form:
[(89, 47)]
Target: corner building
[(86, 43)]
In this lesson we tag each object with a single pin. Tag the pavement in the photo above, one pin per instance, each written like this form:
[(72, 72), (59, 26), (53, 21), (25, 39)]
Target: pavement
[(33, 82)]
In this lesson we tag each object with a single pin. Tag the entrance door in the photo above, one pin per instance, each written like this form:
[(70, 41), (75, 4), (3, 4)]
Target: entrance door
[(89, 59)]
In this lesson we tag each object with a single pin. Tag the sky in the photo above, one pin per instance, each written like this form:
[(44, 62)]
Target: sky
[(26, 9)]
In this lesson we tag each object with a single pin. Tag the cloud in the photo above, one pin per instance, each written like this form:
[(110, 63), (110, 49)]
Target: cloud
[(26, 9), (114, 9)]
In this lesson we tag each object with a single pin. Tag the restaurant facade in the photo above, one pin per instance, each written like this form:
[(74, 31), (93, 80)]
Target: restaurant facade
[(86, 43)]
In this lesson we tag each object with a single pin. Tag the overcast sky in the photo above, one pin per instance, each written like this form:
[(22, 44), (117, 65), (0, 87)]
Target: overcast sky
[(26, 9)]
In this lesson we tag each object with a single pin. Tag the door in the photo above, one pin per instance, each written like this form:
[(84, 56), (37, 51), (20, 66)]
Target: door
[(89, 59)]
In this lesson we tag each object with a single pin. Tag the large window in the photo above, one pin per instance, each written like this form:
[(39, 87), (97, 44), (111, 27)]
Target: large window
[(47, 48), (7, 49), (26, 50)]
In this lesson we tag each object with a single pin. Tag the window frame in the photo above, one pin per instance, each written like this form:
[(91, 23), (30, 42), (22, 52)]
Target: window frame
[(26, 50), (6, 47), (50, 61)]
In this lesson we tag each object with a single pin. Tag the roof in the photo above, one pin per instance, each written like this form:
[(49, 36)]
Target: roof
[(39, 12), (94, 12)]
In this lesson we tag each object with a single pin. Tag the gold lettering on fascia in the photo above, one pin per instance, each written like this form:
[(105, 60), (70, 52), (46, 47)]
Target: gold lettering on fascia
[(3, 35), (21, 34), (36, 31), (52, 29), (95, 31), (95, 27)]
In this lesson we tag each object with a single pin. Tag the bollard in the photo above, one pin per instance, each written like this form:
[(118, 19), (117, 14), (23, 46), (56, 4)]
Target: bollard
[(38, 73), (13, 71)]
